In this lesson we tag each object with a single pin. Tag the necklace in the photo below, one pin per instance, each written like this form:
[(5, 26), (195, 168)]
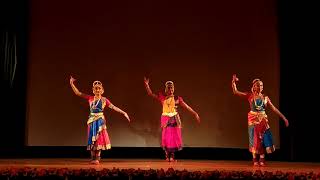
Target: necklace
[(169, 102), (258, 107), (94, 105)]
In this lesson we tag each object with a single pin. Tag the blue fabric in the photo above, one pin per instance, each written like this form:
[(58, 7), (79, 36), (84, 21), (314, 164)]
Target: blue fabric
[(94, 129), (267, 137), (259, 102)]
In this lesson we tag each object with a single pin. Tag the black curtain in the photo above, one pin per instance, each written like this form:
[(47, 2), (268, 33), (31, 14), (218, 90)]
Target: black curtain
[(299, 97), (13, 58), (8, 54)]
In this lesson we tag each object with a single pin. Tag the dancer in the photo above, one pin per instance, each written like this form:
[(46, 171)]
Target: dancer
[(260, 137), (170, 119), (98, 138)]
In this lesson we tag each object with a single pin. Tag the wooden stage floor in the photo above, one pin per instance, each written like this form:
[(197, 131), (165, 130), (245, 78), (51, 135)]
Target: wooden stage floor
[(190, 165)]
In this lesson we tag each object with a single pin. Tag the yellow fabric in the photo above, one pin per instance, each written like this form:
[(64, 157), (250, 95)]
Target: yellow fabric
[(261, 115), (94, 117), (168, 106), (169, 114)]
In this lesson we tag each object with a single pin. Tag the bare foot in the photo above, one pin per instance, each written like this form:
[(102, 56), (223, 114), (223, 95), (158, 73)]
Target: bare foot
[(96, 162)]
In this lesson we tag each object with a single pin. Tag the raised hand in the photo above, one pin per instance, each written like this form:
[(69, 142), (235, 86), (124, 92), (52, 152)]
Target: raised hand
[(72, 79), (234, 78), (146, 80)]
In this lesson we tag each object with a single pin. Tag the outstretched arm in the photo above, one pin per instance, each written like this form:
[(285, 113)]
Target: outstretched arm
[(234, 87), (187, 107), (75, 89), (274, 109), (149, 91), (115, 108)]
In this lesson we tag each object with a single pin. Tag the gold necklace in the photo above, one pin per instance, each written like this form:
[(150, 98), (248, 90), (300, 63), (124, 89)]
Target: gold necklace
[(169, 102), (95, 105), (258, 107)]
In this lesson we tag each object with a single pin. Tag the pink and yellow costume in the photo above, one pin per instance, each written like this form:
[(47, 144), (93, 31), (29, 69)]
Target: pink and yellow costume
[(171, 140)]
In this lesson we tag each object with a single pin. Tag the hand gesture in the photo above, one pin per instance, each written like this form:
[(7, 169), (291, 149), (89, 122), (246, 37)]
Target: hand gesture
[(72, 80), (126, 115), (146, 81), (286, 122), (197, 117), (234, 78)]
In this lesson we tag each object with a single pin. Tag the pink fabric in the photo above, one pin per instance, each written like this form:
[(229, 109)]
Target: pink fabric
[(162, 97), (91, 98), (171, 136), (249, 97), (103, 138), (87, 97), (259, 130), (180, 99)]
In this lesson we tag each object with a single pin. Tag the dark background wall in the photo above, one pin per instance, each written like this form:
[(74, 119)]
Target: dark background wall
[(298, 93)]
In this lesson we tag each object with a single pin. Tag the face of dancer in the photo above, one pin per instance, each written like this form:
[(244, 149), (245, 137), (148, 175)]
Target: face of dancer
[(170, 90), (258, 87), (98, 90)]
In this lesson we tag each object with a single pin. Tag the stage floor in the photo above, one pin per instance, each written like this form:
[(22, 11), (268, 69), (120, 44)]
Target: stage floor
[(190, 165)]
